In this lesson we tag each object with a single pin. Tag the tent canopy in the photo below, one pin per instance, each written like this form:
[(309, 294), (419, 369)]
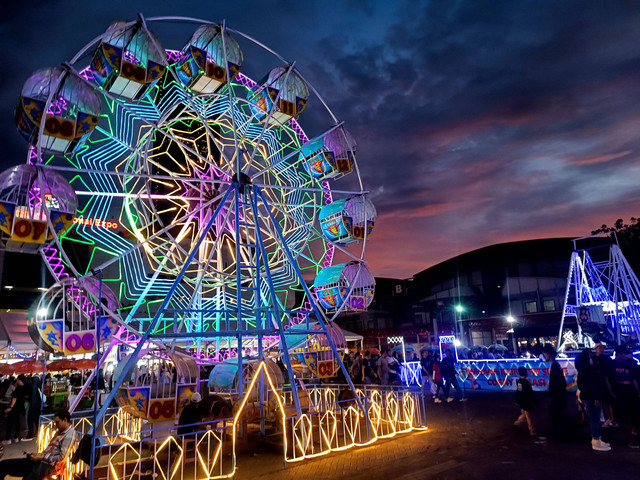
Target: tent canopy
[(14, 331), (350, 336)]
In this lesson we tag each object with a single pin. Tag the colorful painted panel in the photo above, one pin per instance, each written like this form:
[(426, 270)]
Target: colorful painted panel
[(139, 400), (361, 302), (184, 396), (6, 216), (59, 127), (61, 222), (51, 334), (108, 327), (321, 165), (358, 230), (318, 368), (162, 410), (334, 228), (29, 231), (333, 297), (503, 374)]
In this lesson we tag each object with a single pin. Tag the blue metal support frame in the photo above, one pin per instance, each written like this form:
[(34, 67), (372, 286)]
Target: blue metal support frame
[(133, 358), (276, 307), (313, 305)]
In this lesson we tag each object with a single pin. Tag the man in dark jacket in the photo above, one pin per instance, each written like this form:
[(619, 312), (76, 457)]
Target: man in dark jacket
[(627, 390), (557, 393), (190, 415), (591, 394)]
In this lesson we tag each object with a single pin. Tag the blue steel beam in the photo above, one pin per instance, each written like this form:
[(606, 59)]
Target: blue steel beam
[(347, 376), (134, 355)]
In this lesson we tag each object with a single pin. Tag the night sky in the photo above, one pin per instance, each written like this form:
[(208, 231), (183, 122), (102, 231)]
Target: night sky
[(477, 122)]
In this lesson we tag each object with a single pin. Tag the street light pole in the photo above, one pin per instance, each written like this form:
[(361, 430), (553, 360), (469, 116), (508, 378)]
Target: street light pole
[(459, 310)]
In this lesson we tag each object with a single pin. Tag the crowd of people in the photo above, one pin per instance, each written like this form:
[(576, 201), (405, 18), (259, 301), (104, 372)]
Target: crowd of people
[(608, 391), (21, 400), (24, 398), (608, 395), (439, 379)]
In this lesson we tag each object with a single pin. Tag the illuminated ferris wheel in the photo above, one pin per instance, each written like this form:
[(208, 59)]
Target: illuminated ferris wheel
[(183, 184)]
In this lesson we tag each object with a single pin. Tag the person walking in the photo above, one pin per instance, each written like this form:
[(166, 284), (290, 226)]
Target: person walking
[(591, 394), (35, 407), (16, 412), (526, 400), (448, 368), (627, 391), (369, 374), (604, 371), (437, 380), (383, 369), (557, 394), (426, 370), (357, 370)]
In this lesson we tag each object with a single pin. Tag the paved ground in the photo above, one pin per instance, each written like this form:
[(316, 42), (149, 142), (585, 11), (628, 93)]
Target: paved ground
[(472, 440)]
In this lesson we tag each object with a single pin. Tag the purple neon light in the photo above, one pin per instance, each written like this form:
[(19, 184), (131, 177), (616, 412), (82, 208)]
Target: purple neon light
[(57, 106), (58, 268)]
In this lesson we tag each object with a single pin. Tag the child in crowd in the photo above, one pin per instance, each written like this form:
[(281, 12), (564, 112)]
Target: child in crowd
[(526, 399)]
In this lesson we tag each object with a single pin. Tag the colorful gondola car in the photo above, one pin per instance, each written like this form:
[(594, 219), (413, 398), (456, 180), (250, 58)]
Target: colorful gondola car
[(201, 66), (30, 197), (68, 107), (129, 60), (346, 286), (330, 156), (348, 220), (281, 96), (67, 313)]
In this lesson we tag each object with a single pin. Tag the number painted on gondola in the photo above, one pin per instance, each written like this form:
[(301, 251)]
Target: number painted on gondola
[(79, 343), (325, 368), (28, 230), (59, 127), (160, 410), (214, 71)]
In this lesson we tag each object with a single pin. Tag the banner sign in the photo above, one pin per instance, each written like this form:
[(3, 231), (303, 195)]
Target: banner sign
[(503, 374)]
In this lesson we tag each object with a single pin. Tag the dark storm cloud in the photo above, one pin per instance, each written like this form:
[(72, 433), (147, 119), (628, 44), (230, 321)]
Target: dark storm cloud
[(489, 120), (476, 122)]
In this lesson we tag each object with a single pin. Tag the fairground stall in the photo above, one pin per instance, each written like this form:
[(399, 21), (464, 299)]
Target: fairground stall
[(183, 211)]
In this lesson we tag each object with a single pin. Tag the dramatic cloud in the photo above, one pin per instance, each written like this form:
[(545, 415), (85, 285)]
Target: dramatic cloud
[(477, 122)]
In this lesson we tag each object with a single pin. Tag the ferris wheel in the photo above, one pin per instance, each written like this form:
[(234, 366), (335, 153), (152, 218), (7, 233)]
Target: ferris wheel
[(184, 184)]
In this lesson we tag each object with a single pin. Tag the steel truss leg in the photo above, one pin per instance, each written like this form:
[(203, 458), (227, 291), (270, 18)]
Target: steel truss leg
[(133, 358), (313, 305)]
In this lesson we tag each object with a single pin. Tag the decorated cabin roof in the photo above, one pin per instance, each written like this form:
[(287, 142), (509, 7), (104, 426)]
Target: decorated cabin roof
[(289, 82), (329, 275), (209, 38), (339, 141), (18, 182), (332, 209), (137, 41), (358, 275), (72, 95)]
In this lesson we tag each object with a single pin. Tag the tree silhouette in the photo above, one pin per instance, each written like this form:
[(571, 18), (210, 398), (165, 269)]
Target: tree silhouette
[(628, 235)]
